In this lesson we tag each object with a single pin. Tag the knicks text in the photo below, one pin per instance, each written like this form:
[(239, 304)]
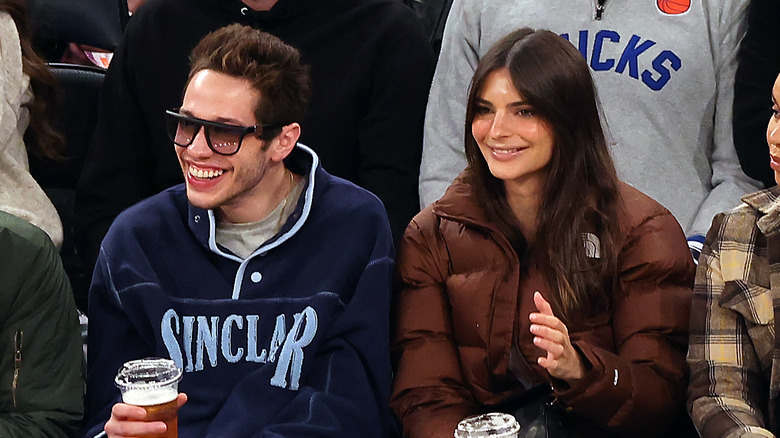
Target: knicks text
[(655, 71)]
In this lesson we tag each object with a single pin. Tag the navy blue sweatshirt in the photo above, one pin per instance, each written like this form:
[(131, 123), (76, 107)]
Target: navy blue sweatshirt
[(292, 341)]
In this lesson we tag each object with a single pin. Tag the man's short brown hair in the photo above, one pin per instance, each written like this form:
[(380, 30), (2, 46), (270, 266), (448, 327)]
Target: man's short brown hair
[(273, 67)]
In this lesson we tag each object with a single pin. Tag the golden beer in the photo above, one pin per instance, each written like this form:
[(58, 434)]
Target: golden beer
[(157, 408)]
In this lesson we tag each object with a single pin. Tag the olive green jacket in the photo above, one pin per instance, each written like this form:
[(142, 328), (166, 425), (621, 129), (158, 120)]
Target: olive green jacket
[(41, 360)]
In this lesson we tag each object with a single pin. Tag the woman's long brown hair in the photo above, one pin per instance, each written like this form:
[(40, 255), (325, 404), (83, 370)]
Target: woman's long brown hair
[(41, 137), (581, 193)]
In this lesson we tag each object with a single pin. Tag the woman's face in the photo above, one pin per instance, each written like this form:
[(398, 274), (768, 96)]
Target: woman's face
[(773, 131), (516, 143)]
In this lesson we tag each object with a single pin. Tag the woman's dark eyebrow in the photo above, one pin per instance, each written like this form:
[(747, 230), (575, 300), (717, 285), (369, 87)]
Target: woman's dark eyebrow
[(481, 101)]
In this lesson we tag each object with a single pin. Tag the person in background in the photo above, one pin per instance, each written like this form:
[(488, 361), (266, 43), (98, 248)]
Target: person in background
[(266, 279), (371, 69), (83, 54), (26, 116), (496, 298), (759, 62), (733, 352), (41, 366), (433, 16), (665, 75)]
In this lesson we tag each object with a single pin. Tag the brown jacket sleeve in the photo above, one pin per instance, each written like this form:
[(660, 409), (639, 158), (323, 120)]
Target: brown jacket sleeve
[(429, 395), (638, 389)]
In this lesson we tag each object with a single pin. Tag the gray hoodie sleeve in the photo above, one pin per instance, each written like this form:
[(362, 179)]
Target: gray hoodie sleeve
[(443, 156), (729, 182)]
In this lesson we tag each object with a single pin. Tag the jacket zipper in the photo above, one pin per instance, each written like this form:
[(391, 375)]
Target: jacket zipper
[(600, 8), (17, 363)]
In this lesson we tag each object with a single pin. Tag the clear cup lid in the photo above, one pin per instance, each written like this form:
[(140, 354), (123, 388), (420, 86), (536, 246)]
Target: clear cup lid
[(494, 424), (148, 373)]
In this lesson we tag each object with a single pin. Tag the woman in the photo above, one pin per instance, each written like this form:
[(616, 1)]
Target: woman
[(539, 267), (26, 87), (735, 368)]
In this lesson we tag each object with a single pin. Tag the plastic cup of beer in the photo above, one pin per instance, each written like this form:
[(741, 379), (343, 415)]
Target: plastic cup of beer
[(494, 425), (153, 384)]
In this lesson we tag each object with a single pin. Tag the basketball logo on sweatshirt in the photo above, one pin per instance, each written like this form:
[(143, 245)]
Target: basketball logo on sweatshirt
[(674, 7)]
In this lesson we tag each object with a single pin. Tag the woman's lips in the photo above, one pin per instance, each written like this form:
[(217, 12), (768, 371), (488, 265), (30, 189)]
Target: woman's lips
[(505, 154), (774, 163)]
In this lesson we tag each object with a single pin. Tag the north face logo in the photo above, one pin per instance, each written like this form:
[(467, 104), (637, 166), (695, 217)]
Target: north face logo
[(674, 7)]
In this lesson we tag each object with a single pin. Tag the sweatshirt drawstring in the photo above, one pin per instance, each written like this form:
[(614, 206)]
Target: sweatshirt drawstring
[(600, 8)]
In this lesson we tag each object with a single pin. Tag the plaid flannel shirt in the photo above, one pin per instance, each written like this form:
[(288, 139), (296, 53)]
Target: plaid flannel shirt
[(735, 364)]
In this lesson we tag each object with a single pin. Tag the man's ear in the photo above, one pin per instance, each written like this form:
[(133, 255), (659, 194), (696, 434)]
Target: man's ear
[(284, 143)]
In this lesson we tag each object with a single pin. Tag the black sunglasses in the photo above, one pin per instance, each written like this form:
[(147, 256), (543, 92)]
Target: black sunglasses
[(221, 138)]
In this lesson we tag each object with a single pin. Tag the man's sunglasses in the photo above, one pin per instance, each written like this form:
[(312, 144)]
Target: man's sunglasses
[(221, 138)]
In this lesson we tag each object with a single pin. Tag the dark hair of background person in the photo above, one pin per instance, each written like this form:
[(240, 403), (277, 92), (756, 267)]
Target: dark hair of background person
[(273, 67), (581, 194), (41, 137), (759, 63)]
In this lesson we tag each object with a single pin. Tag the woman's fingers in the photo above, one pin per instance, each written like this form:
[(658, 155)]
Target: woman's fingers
[(545, 315), (547, 362), (552, 335), (553, 348), (541, 304), (548, 320), (549, 333)]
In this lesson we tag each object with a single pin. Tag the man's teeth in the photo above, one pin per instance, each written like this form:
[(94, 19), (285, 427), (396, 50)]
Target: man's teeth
[(200, 173)]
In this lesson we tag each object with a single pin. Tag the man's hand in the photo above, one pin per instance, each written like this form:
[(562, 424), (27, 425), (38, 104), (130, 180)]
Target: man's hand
[(128, 421)]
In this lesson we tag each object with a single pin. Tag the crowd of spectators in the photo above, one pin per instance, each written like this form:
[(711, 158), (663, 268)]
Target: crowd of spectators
[(379, 217)]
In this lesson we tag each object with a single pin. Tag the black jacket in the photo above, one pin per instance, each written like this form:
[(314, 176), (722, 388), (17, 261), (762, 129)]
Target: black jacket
[(759, 64)]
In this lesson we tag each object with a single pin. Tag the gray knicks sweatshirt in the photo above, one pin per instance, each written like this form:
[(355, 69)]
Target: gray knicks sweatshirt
[(665, 78)]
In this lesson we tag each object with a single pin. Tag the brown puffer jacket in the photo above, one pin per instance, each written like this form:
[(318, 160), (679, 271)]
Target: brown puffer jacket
[(459, 309)]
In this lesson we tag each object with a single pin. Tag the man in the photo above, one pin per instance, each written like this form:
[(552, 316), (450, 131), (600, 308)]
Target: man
[(665, 76), (371, 71), (264, 277)]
